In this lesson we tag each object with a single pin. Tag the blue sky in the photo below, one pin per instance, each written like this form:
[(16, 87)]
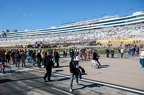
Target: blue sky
[(35, 14)]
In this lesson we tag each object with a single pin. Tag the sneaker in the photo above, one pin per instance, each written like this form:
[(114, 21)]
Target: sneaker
[(70, 90), (77, 83), (49, 80)]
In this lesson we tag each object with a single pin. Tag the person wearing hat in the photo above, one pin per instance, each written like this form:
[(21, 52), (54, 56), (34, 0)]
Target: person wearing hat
[(142, 58)]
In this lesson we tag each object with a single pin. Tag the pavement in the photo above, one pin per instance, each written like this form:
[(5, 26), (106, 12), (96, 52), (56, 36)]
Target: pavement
[(125, 72)]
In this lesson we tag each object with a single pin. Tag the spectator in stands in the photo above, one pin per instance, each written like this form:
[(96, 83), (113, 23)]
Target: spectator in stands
[(142, 57)]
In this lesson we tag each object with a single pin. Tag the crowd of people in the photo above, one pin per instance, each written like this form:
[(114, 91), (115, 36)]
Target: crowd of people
[(50, 58), (18, 57), (133, 31)]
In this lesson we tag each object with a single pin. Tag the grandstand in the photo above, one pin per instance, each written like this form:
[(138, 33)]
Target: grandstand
[(109, 28)]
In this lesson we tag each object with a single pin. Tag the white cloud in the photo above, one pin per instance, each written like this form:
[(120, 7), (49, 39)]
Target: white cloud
[(30, 15)]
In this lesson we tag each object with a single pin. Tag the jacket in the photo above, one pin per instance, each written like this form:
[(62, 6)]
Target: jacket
[(72, 66)]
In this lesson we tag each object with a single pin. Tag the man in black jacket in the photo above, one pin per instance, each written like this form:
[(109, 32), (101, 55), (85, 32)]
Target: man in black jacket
[(48, 63), (74, 71), (96, 57)]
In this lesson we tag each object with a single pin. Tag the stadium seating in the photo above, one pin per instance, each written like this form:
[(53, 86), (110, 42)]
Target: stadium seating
[(133, 31)]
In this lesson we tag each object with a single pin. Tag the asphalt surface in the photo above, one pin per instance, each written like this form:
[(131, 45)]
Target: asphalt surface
[(118, 76)]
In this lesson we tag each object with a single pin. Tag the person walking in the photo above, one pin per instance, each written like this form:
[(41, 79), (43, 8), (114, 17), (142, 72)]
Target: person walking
[(48, 64), (23, 58), (112, 53), (71, 54), (74, 72), (33, 58), (122, 52), (56, 56), (107, 53), (142, 58), (17, 58), (96, 57), (38, 59), (2, 62)]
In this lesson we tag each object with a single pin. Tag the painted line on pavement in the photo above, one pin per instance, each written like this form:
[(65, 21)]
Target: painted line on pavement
[(102, 83), (62, 91), (106, 84)]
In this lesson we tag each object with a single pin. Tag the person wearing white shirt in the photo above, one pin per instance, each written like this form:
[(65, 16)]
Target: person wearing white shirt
[(142, 58), (122, 52)]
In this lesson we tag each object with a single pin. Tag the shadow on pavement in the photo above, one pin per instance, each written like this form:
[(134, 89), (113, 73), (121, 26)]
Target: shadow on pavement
[(62, 79), (5, 80), (58, 71), (105, 66), (89, 86)]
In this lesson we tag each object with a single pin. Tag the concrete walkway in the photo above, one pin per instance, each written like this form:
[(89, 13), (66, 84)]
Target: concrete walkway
[(125, 71)]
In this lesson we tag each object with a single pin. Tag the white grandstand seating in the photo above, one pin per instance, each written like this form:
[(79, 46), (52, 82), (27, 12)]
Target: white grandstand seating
[(134, 31)]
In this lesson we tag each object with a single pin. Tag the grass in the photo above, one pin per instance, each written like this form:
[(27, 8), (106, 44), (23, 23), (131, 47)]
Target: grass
[(101, 50)]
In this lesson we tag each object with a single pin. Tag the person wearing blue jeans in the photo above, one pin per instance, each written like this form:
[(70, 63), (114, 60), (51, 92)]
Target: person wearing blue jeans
[(2, 62), (122, 52), (142, 58)]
